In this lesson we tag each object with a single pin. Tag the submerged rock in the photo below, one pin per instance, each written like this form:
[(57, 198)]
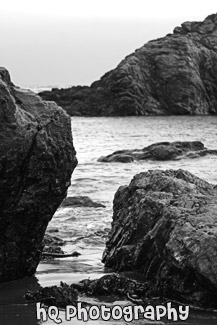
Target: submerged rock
[(37, 159), (81, 201), (161, 151), (175, 75), (123, 156), (165, 227)]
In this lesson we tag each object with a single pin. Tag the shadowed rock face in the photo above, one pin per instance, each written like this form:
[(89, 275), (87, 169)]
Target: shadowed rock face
[(176, 74), (37, 158), (164, 226), (161, 151)]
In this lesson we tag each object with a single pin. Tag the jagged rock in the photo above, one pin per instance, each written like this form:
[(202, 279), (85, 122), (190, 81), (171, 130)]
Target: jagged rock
[(81, 201), (114, 285), (165, 227), (58, 296), (176, 74), (37, 158), (161, 151)]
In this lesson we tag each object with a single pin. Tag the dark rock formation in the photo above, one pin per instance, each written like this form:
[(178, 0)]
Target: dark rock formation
[(161, 151), (176, 74), (37, 158), (109, 285), (55, 296), (164, 226), (81, 201), (113, 285)]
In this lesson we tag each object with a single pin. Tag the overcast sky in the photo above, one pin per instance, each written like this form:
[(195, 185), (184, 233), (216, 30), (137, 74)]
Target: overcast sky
[(71, 42)]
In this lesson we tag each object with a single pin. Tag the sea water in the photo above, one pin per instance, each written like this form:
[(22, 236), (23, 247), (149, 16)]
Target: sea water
[(85, 229)]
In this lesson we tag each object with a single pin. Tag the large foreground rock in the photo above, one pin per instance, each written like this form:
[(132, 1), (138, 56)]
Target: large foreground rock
[(161, 151), (165, 227), (175, 74), (37, 158)]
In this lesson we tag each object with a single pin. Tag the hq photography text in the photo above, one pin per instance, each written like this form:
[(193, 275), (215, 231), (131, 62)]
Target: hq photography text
[(116, 312)]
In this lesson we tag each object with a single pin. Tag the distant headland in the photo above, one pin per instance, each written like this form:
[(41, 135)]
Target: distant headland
[(173, 75)]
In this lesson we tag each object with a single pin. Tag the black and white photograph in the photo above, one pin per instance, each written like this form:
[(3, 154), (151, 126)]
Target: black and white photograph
[(108, 162)]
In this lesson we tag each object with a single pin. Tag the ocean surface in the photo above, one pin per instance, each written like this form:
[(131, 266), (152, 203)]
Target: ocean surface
[(85, 229)]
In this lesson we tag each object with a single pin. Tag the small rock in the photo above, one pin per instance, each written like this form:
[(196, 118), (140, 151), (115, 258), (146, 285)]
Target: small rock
[(52, 245), (59, 296), (117, 158), (81, 201)]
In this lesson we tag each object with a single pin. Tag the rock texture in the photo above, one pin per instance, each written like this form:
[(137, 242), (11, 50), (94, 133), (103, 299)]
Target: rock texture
[(111, 285), (161, 151), (61, 296), (165, 227), (176, 74), (37, 158)]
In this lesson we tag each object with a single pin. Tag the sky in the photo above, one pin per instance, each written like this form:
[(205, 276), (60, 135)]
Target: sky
[(74, 42)]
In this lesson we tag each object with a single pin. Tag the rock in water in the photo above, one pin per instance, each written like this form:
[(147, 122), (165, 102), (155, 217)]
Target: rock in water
[(37, 158), (165, 227), (81, 201), (161, 151), (175, 75)]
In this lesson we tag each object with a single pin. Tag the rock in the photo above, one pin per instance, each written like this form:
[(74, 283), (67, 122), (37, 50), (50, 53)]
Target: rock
[(49, 241), (55, 296), (109, 285), (118, 286), (53, 248), (161, 151), (52, 245), (112, 284), (172, 75), (81, 201), (118, 157), (165, 227), (37, 158)]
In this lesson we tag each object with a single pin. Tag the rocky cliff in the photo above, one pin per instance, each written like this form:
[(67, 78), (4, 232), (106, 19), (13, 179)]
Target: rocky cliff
[(164, 226), (37, 158), (176, 74)]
